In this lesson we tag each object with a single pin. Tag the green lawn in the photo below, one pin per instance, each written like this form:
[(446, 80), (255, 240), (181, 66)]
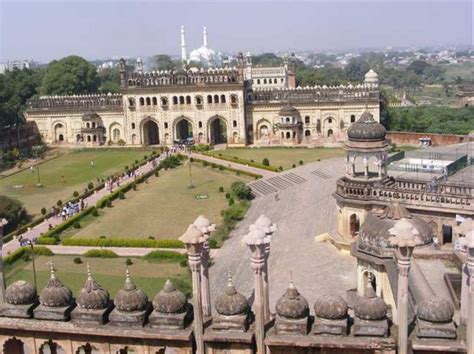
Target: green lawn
[(110, 273), (162, 208), (464, 70), (284, 157), (77, 171)]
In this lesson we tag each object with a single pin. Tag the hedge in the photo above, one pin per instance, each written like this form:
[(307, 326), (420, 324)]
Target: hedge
[(230, 169), (242, 161), (20, 252), (121, 242), (46, 240), (157, 256), (100, 254), (54, 232)]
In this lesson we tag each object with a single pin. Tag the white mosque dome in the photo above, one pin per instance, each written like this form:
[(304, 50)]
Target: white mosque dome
[(371, 77), (202, 55)]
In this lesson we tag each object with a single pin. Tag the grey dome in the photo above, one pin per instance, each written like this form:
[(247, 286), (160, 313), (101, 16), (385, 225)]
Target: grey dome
[(93, 296), (130, 298), (288, 111), (366, 129), (170, 300), (90, 115), (55, 294), (370, 307), (436, 310), (20, 293), (292, 304), (374, 234), (231, 303), (330, 307)]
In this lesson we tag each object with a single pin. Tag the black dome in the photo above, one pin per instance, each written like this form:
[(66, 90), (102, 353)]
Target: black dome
[(366, 129), (288, 111)]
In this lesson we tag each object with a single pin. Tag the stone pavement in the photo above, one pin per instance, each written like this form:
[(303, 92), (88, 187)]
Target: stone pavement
[(303, 211), (42, 228)]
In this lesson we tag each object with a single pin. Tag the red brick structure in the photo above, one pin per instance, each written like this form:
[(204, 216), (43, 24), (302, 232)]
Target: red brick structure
[(410, 138)]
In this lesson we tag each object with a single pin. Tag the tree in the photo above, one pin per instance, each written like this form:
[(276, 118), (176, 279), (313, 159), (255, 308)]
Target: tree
[(13, 211), (109, 80), (267, 59), (70, 75), (241, 191), (418, 67), (163, 62), (356, 69)]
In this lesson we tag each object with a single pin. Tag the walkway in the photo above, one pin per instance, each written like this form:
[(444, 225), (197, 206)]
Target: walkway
[(42, 228)]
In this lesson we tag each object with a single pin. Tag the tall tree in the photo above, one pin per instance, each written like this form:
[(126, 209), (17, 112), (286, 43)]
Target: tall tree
[(70, 75), (356, 69), (163, 62)]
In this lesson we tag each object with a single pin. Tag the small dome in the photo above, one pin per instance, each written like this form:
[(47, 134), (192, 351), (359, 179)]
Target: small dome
[(20, 293), (436, 310), (130, 298), (370, 307), (371, 77), (92, 296), (231, 303), (288, 111), (330, 307), (292, 304), (55, 294), (375, 235), (170, 299), (90, 115), (366, 129)]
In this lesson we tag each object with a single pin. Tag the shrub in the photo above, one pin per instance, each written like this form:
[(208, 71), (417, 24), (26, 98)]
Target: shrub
[(221, 168), (170, 162), (25, 257), (241, 190), (77, 260), (75, 194), (117, 242), (294, 165), (126, 168), (136, 162), (265, 162), (231, 201), (101, 254), (59, 203), (95, 212), (108, 203), (212, 243), (200, 147), (46, 240), (102, 237), (280, 168), (43, 211), (128, 262), (221, 189), (145, 157), (227, 195), (151, 237), (121, 142), (90, 186), (121, 195), (134, 186), (76, 225), (301, 162), (213, 165), (19, 252), (183, 263), (157, 256), (157, 174), (205, 163)]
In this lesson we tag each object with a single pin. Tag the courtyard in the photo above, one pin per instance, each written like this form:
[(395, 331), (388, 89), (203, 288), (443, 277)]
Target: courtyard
[(63, 175), (284, 157), (108, 272), (164, 207)]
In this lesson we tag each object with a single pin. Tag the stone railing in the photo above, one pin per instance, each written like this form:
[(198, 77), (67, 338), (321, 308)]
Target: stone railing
[(413, 193), (76, 102)]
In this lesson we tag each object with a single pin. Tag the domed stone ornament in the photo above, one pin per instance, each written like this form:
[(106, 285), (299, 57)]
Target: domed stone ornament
[(292, 312), (171, 309), (131, 305), (331, 315), (56, 301), (435, 319), (20, 298), (370, 315), (232, 310), (366, 129), (93, 303)]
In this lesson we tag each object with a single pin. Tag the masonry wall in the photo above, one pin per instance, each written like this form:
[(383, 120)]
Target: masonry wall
[(410, 138)]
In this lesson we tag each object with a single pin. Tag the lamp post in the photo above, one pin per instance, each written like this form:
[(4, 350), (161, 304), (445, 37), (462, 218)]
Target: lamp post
[(257, 241), (191, 185), (38, 184), (21, 240), (193, 240), (205, 226), (405, 236), (3, 222)]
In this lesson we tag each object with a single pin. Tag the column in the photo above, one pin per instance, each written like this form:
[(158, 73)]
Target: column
[(366, 167), (403, 261), (205, 289), (266, 293), (348, 168), (3, 222), (470, 305)]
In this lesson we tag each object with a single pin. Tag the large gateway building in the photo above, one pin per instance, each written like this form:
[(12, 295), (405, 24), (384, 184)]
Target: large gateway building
[(236, 106)]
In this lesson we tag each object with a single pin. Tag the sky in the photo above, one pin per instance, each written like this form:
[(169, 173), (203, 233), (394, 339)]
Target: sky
[(45, 31)]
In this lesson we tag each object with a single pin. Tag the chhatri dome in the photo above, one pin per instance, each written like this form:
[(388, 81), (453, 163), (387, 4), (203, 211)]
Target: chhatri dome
[(202, 55)]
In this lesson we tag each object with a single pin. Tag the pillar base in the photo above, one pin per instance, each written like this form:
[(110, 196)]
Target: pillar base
[(426, 329), (331, 327)]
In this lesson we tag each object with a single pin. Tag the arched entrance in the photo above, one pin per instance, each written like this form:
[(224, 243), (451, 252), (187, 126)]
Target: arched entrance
[(369, 278), (51, 348), (354, 225), (150, 133), (13, 346), (218, 131), (184, 129), (59, 132)]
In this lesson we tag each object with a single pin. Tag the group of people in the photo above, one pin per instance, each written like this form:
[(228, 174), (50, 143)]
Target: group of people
[(69, 209)]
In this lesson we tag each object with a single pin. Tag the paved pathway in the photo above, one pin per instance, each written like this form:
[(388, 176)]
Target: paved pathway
[(303, 211), (42, 228)]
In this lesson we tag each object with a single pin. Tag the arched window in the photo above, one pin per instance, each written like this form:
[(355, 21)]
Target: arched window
[(166, 125), (116, 134), (61, 137), (164, 101), (222, 98), (288, 135), (288, 120), (88, 125), (264, 81), (175, 100), (233, 99), (89, 138), (126, 350), (13, 346), (142, 101), (51, 348), (148, 101), (188, 99), (330, 133), (329, 120), (294, 134), (199, 100), (181, 99), (133, 125), (94, 138), (282, 135), (155, 101), (258, 81), (131, 102), (87, 349), (353, 118), (216, 98), (93, 124), (307, 120), (234, 123), (200, 124), (209, 99), (307, 133)]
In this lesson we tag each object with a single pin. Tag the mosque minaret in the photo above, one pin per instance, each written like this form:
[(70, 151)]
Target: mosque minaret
[(183, 46)]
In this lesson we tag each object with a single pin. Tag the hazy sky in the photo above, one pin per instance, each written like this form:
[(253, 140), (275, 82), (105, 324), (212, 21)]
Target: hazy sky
[(97, 29)]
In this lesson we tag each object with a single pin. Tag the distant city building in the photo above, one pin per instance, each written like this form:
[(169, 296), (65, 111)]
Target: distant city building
[(203, 55), (15, 64)]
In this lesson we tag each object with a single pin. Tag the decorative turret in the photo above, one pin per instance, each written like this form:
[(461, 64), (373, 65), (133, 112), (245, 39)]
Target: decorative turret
[(370, 315), (292, 312), (435, 319), (330, 315), (56, 301), (20, 298), (371, 77)]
